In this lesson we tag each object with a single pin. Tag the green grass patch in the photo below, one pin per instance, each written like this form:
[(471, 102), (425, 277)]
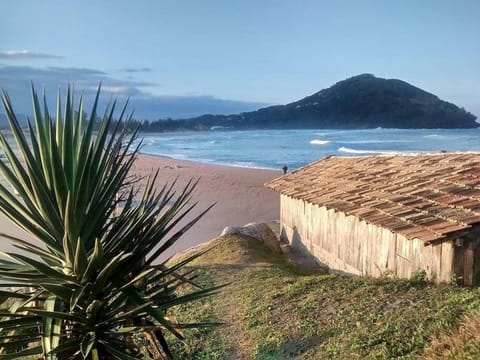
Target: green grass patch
[(271, 310)]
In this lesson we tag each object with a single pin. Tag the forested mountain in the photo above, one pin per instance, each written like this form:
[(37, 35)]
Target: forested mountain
[(362, 101)]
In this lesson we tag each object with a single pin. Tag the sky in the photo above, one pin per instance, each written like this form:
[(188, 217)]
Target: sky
[(185, 58)]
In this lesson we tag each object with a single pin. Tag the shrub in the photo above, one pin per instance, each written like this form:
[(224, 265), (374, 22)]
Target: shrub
[(93, 284)]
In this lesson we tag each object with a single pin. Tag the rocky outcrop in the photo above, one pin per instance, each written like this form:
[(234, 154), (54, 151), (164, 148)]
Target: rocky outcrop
[(259, 231)]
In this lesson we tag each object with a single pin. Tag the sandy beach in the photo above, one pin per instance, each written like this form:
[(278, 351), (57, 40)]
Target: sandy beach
[(239, 195)]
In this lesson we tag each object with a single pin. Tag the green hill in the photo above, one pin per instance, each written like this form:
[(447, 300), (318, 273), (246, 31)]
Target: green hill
[(274, 310), (362, 101)]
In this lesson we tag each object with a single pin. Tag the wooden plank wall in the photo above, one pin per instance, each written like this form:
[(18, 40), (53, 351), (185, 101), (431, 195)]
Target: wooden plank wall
[(347, 244)]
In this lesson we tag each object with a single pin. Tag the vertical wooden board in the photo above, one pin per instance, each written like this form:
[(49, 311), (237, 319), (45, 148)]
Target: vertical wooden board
[(370, 238), (458, 265), (286, 210), (321, 227), (401, 260), (344, 231), (365, 245), (468, 260), (427, 259), (384, 249), (446, 262), (392, 257), (292, 206), (333, 229), (331, 233), (365, 249), (324, 226), (355, 244), (338, 236), (351, 242), (293, 211), (381, 250), (282, 210), (412, 266), (342, 239), (305, 221), (318, 223), (359, 247), (313, 225), (398, 259), (416, 255), (435, 262), (476, 259), (373, 238)]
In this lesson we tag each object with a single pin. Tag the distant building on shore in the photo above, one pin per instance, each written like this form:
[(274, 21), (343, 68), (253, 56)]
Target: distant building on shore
[(387, 215)]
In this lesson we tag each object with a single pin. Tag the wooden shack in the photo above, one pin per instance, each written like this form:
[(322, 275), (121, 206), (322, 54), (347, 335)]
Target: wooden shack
[(379, 215)]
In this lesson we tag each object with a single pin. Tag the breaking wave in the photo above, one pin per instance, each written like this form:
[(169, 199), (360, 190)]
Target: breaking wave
[(435, 136), (355, 151), (394, 141), (319, 142)]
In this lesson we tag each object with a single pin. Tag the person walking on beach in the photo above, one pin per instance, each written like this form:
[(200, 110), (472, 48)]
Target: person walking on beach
[(285, 169)]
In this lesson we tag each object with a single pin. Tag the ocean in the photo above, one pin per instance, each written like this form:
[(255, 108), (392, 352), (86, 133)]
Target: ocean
[(272, 149)]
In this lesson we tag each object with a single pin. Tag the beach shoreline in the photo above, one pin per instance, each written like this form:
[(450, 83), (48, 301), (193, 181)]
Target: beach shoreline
[(234, 165)]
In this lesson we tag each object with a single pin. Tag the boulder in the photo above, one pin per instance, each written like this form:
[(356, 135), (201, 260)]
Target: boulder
[(259, 231)]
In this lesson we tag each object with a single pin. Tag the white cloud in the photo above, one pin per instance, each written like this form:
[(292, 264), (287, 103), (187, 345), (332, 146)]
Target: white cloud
[(25, 54), (16, 80)]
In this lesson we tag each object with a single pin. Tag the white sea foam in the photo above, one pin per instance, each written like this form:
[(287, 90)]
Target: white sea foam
[(246, 164), (435, 136), (375, 141), (319, 142), (324, 133), (356, 151)]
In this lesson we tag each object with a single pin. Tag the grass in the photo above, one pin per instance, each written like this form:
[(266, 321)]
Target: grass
[(272, 310)]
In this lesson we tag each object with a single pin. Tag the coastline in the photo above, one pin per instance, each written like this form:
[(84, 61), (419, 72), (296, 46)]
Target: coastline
[(201, 161)]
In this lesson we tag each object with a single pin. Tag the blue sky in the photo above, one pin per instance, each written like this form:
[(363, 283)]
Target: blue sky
[(183, 58)]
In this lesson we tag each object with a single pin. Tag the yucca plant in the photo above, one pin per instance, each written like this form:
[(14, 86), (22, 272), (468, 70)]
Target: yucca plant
[(90, 284)]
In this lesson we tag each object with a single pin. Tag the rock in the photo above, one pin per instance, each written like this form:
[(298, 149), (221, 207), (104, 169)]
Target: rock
[(259, 231)]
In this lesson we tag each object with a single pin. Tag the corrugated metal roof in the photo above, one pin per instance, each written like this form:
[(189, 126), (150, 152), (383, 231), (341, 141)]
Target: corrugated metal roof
[(429, 197)]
